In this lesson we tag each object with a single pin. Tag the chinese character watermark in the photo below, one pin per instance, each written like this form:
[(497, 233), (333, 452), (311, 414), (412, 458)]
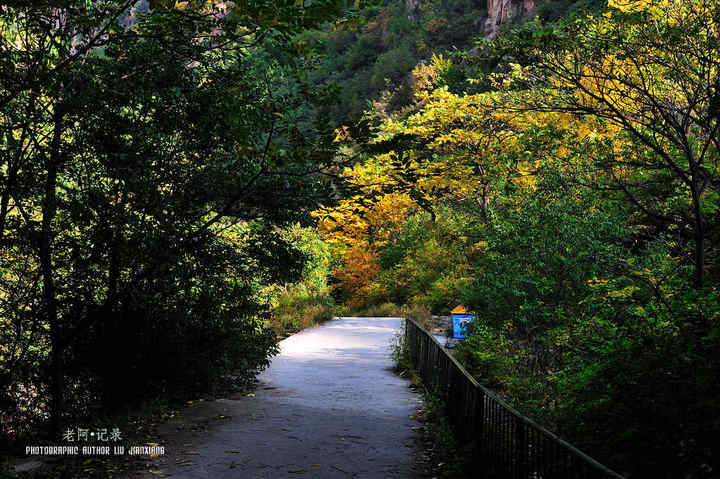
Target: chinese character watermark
[(86, 434)]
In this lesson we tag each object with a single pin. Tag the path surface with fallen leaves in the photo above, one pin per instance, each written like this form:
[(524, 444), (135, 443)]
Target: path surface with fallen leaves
[(329, 406)]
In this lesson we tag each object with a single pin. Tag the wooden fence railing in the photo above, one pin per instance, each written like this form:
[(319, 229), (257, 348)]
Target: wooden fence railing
[(506, 443)]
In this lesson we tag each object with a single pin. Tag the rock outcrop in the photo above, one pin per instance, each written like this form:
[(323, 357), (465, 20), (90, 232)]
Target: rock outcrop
[(500, 11), (412, 7)]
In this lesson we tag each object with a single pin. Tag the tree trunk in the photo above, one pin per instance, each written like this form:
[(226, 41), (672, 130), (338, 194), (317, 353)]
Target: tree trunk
[(110, 322), (699, 236), (4, 202), (485, 201), (49, 209), (10, 181)]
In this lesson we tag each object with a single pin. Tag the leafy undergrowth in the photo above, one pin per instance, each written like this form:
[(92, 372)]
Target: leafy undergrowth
[(308, 302), (419, 313), (298, 307), (444, 456)]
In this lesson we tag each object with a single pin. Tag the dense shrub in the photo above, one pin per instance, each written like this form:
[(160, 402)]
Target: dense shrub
[(295, 306), (392, 65), (539, 259), (299, 306)]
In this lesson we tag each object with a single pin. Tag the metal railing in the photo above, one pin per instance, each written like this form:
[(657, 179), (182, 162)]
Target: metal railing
[(505, 443)]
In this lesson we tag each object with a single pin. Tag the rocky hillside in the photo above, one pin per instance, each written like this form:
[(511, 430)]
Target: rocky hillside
[(502, 11), (371, 59)]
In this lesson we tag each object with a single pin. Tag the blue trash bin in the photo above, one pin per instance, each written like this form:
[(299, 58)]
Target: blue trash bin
[(460, 318)]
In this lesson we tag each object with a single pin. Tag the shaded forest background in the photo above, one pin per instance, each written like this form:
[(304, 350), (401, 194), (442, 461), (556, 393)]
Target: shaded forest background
[(182, 183)]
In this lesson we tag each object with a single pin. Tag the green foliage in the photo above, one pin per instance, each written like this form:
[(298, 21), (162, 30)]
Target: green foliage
[(554, 10), (391, 65), (640, 339), (384, 310), (306, 302), (374, 56), (539, 259), (318, 258), (585, 244), (141, 186), (426, 263), (485, 353), (298, 306)]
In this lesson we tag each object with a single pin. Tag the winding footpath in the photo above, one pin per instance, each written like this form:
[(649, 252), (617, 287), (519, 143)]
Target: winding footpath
[(329, 406)]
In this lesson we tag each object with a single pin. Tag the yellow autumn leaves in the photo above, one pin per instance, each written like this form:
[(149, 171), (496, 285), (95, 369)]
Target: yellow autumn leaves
[(632, 5)]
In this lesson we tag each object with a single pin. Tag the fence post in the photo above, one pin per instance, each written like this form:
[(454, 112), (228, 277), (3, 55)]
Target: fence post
[(479, 428), (522, 447)]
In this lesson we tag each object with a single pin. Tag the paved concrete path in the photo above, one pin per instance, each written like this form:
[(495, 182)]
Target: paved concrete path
[(328, 407)]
